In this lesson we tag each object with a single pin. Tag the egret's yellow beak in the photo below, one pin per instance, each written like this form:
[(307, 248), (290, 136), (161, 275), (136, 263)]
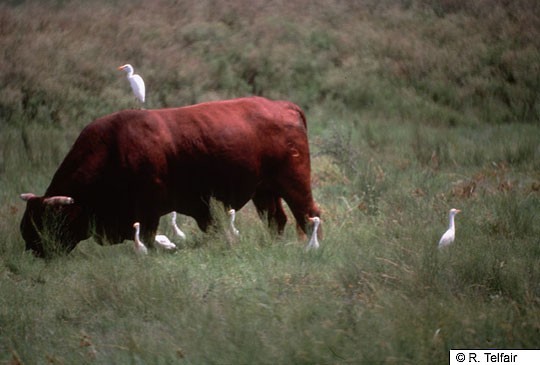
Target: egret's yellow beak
[(121, 67)]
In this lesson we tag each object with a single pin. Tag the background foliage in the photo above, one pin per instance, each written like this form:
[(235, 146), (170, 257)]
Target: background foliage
[(414, 107)]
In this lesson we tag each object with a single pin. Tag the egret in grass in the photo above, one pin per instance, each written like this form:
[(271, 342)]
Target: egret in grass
[(140, 248), (449, 236), (137, 83), (177, 229), (232, 214), (314, 241), (164, 242)]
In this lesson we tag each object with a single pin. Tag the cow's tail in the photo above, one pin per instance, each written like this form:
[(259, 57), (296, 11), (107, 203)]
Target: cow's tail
[(301, 113)]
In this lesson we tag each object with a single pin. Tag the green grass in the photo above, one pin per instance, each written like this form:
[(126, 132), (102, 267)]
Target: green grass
[(414, 107)]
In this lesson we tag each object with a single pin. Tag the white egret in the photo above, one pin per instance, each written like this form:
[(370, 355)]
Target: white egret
[(314, 241), (140, 248), (164, 242), (449, 236), (137, 83), (177, 229), (232, 213)]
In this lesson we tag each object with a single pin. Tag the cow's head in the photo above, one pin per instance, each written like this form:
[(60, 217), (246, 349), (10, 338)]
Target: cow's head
[(51, 224)]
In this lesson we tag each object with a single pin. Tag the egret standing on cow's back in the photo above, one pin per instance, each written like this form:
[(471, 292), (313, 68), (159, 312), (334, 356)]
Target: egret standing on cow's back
[(137, 83), (449, 236)]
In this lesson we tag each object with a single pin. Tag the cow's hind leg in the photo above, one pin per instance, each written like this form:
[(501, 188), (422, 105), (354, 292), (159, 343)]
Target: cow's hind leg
[(296, 191), (269, 204), (302, 211)]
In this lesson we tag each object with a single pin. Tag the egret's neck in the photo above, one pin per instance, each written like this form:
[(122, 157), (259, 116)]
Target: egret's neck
[(314, 240), (177, 229), (451, 221), (129, 73)]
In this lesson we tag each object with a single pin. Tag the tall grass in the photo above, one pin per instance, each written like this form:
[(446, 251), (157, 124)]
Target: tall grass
[(414, 107)]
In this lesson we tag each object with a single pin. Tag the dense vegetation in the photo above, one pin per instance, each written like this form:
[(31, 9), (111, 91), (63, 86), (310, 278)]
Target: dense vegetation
[(413, 106)]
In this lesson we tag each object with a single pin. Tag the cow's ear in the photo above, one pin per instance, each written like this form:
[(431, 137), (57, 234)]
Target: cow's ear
[(59, 200), (27, 196)]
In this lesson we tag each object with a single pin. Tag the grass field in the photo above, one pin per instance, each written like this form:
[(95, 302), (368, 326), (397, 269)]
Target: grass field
[(413, 108)]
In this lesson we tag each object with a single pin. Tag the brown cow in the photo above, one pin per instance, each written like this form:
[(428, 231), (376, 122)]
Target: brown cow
[(137, 165)]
